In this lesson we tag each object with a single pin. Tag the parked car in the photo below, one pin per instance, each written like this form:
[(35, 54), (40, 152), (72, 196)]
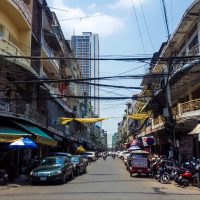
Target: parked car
[(80, 166), (126, 158), (90, 155), (56, 168), (60, 154), (120, 155)]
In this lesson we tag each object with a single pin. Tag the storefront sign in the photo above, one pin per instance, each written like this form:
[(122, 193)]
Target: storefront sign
[(45, 141), (148, 141)]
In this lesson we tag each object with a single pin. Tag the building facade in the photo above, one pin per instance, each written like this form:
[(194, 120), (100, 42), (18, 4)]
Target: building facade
[(29, 105), (171, 92)]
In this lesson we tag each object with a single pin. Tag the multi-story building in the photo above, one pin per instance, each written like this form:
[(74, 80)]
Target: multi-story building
[(29, 104), (115, 139), (177, 133), (104, 137), (86, 47)]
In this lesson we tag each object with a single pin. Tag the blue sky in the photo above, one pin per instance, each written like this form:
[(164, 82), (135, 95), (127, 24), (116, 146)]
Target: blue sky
[(115, 22)]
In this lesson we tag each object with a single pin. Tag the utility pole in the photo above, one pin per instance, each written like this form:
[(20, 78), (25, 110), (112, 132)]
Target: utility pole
[(167, 111)]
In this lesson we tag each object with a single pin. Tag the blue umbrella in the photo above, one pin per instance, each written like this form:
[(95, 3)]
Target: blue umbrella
[(134, 147), (23, 143)]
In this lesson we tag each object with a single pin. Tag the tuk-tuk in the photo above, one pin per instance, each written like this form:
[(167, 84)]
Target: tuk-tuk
[(138, 162)]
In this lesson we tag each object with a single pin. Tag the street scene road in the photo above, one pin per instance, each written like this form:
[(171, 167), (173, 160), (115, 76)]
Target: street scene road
[(105, 180)]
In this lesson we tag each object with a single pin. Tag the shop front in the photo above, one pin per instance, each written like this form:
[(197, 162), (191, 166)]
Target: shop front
[(21, 161)]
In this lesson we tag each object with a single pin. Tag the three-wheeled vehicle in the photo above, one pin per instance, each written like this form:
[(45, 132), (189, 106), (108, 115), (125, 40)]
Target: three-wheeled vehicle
[(138, 162)]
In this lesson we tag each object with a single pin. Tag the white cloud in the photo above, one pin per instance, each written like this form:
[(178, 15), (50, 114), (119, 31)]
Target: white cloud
[(93, 6), (125, 4), (102, 24)]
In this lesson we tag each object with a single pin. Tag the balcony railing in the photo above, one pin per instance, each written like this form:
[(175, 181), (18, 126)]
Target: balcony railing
[(55, 91), (23, 109), (9, 49), (157, 121), (23, 9), (50, 54), (189, 106), (179, 111), (192, 52)]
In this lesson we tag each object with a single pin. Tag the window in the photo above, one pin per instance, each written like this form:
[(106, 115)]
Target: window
[(2, 30)]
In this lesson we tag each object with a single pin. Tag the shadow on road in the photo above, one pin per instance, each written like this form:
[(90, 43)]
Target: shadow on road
[(101, 174), (104, 192), (105, 181)]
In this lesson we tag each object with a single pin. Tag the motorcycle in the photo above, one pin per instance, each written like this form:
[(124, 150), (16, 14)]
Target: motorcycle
[(3, 177)]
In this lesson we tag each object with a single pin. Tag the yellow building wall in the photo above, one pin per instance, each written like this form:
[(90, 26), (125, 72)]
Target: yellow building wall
[(22, 38)]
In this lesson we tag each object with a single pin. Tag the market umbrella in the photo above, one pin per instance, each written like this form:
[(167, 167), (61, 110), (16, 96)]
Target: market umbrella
[(22, 143), (134, 147)]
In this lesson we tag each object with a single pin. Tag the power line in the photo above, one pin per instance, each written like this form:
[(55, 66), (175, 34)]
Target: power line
[(58, 96), (110, 92), (110, 86), (141, 38), (80, 18), (165, 18), (145, 21), (46, 7), (138, 76), (137, 59), (172, 16)]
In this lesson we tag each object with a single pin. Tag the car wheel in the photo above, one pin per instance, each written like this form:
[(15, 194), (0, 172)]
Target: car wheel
[(72, 174), (63, 181), (78, 172), (85, 170), (131, 174)]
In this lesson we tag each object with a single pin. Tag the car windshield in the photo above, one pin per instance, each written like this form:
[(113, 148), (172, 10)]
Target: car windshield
[(75, 159), (52, 161)]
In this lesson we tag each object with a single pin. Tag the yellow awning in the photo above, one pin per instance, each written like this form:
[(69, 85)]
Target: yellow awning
[(89, 120), (63, 120), (140, 116), (80, 149)]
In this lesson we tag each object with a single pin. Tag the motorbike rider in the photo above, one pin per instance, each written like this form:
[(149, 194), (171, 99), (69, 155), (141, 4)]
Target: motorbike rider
[(104, 155), (113, 155)]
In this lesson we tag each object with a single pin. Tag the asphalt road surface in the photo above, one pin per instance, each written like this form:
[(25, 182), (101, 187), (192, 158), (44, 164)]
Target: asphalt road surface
[(105, 180)]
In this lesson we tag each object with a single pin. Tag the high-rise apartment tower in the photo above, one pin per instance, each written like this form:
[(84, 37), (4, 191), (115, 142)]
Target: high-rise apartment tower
[(87, 46)]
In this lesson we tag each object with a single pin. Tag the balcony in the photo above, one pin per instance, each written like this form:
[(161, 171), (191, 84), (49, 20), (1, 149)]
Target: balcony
[(189, 109), (157, 123), (9, 49), (22, 110), (192, 52), (183, 111), (17, 10), (63, 102), (48, 51), (24, 10)]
